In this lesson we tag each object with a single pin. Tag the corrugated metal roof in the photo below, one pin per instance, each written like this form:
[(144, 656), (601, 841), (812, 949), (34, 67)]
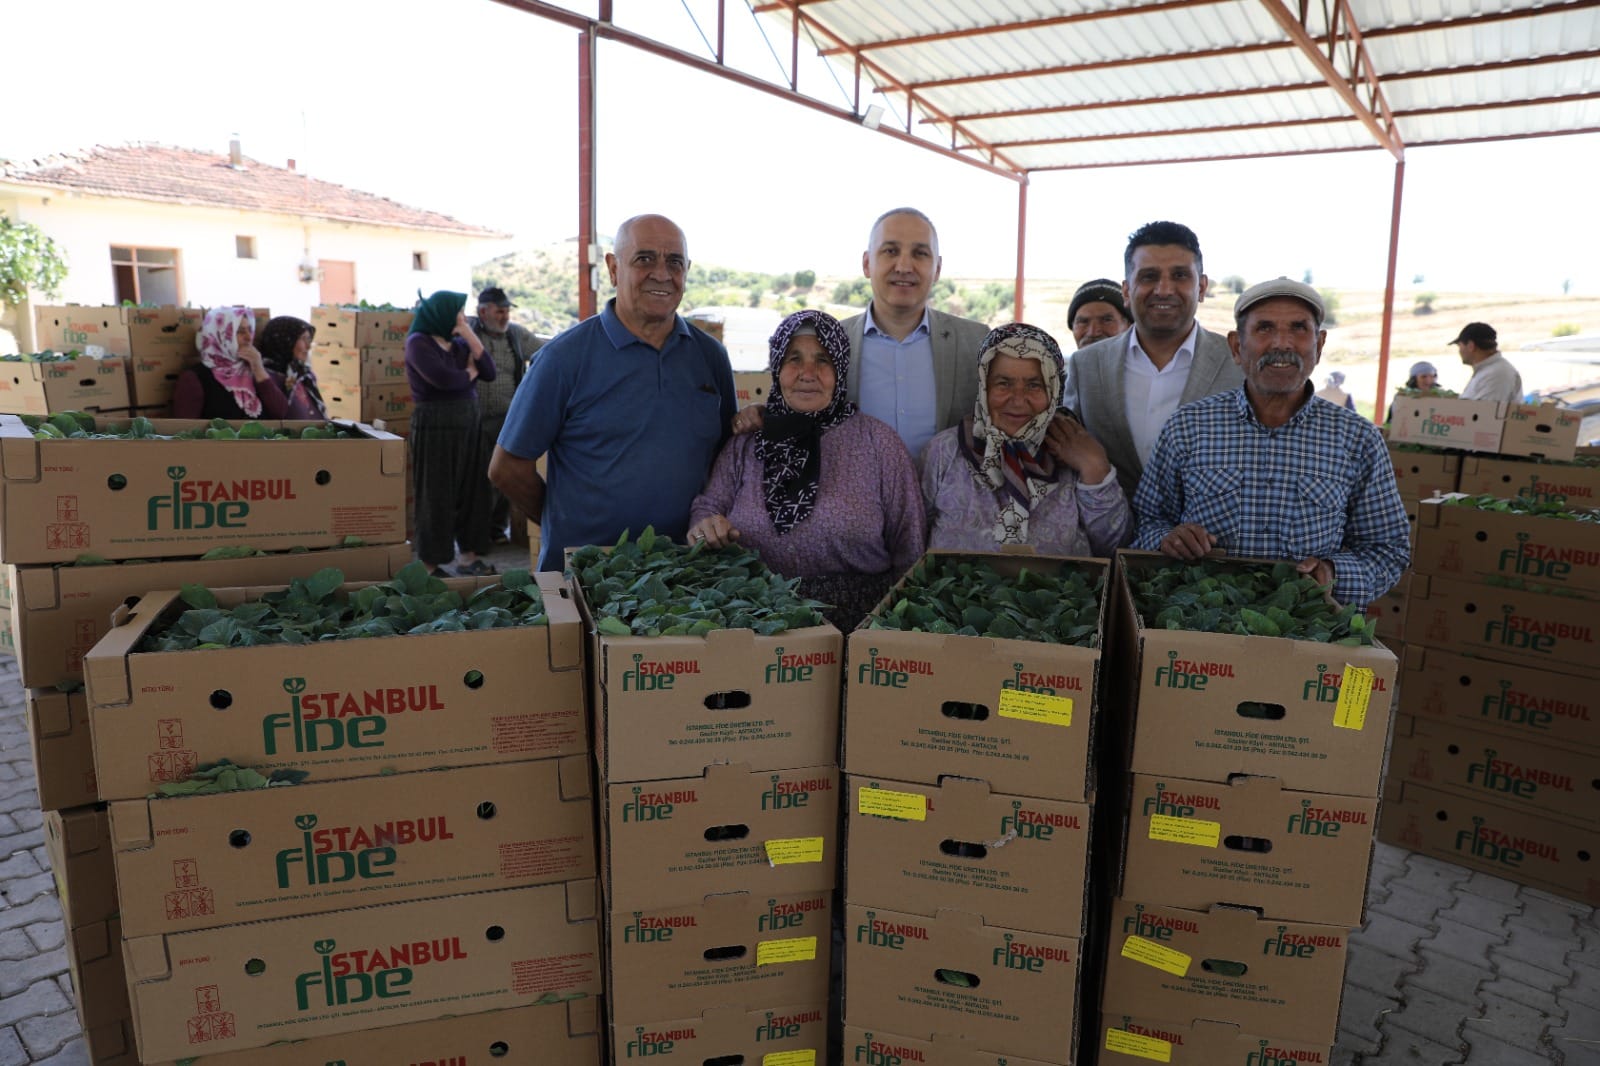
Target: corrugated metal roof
[(1051, 84)]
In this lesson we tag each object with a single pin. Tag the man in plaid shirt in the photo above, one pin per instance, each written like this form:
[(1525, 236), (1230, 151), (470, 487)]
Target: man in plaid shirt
[(1270, 471)]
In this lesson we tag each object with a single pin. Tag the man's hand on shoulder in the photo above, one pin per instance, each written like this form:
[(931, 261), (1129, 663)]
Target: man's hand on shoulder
[(1188, 541), (1321, 570), (749, 419)]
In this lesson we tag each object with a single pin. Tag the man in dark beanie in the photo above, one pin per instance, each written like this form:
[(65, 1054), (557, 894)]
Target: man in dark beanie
[(1097, 311), (1493, 376)]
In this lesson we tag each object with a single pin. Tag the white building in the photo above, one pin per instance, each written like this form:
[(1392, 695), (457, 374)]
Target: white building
[(160, 225)]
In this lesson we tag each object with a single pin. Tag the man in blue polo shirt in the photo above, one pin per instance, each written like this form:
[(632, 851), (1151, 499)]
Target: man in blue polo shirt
[(628, 408)]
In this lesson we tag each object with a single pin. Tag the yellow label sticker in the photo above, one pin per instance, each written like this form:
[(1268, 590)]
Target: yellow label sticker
[(1355, 693), (1039, 707), (1144, 1047), (780, 952), (807, 1057), (1196, 831), (794, 849), (887, 803), (1160, 956)]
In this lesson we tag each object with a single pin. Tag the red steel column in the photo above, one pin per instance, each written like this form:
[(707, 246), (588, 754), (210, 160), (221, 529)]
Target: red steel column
[(1388, 295), (1022, 245), (587, 229)]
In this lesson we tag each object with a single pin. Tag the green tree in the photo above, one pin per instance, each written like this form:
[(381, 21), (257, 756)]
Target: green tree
[(1330, 301), (805, 279), (28, 259), (782, 283), (1425, 303), (1234, 283)]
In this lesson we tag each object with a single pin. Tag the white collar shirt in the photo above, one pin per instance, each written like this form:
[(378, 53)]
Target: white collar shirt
[(1153, 392)]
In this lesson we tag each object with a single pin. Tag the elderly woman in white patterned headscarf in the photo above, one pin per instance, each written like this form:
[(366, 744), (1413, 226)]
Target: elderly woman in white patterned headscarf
[(1018, 470)]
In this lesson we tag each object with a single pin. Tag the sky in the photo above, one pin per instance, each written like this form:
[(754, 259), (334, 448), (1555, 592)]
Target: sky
[(470, 108)]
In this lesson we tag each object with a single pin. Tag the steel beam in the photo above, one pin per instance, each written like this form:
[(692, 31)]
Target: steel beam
[(1374, 111), (1022, 247), (1388, 294), (588, 228), (1021, 26)]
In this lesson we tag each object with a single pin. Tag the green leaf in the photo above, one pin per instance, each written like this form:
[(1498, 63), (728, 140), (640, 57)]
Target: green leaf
[(197, 596)]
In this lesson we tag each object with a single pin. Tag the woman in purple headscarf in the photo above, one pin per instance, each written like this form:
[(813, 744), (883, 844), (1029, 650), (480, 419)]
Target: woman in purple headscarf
[(1018, 470), (822, 491)]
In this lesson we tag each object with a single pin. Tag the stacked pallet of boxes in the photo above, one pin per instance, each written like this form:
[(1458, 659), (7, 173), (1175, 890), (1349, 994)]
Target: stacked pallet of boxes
[(718, 786), (1496, 751), (360, 361), (968, 790), (436, 858), (1252, 796), (96, 378), (105, 502), (1420, 472)]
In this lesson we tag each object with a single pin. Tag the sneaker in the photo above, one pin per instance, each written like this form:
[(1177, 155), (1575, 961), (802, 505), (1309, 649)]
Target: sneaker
[(476, 568), (500, 537)]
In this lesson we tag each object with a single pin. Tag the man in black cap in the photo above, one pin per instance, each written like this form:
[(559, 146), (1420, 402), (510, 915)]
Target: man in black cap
[(1493, 376), (1097, 311), (511, 345)]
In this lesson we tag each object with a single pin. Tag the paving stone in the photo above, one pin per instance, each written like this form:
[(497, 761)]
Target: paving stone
[(1429, 1015), (1427, 874), (14, 944), (1514, 1023), (22, 889), (1465, 942), (1524, 982), (1377, 971), (1547, 914), (1409, 905), (1584, 987), (1488, 1049), (74, 1054), (1356, 1045), (1480, 912), (1447, 976), (1344, 1056), (1361, 1015), (1582, 1025), (10, 772), (48, 934), (8, 828), (1537, 949), (46, 1035), (30, 817), (42, 997), (39, 909), (12, 1053), (22, 837), (18, 975), (1410, 1049), (1491, 887), (1389, 935)]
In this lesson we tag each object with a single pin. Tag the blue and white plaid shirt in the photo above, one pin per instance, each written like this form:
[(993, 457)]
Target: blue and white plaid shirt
[(1320, 485)]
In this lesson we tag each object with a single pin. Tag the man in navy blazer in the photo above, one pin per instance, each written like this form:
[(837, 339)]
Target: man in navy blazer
[(1124, 388)]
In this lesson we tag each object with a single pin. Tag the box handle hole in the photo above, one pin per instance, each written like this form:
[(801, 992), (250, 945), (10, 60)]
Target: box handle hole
[(956, 978), (965, 712), (255, 967), (239, 838), (962, 849), (727, 951), (494, 933), (117, 482), (728, 701), (728, 832), (1224, 967), (1266, 712), (222, 699), (1258, 845), (472, 679), (486, 810), (323, 477)]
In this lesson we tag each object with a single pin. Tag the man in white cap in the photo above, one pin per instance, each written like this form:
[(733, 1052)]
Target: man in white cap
[(1263, 471)]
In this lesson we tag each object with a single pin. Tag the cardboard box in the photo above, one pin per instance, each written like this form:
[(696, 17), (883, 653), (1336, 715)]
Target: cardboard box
[(1447, 422), (752, 387), (795, 1035), (383, 328), (1013, 993), (1009, 859), (142, 499), (364, 403), (65, 329), (1225, 964), (1388, 613), (95, 964), (1576, 484), (153, 377), (335, 325), (1501, 623), (1419, 474), (868, 1044), (112, 1044), (63, 611), (79, 845), (338, 708), (1296, 856), (203, 861), (731, 829), (1521, 701), (1198, 697), (83, 384), (1515, 772), (665, 707), (730, 948), (1531, 849), (1546, 430), (354, 367), (63, 756), (557, 1034), (1132, 1041), (1479, 545), (163, 331), (244, 986), (1018, 714)]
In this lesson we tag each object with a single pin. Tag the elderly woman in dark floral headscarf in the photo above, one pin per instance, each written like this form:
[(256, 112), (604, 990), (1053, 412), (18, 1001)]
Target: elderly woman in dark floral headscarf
[(822, 491), (285, 345), (1017, 470), (231, 380)]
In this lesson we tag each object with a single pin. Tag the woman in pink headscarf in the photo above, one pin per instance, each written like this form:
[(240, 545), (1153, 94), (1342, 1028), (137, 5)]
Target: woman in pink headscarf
[(231, 381)]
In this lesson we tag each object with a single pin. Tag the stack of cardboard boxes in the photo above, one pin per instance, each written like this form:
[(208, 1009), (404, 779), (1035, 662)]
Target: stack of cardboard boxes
[(1496, 751), (360, 362), (1253, 766), (718, 788), (967, 763), (438, 860)]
